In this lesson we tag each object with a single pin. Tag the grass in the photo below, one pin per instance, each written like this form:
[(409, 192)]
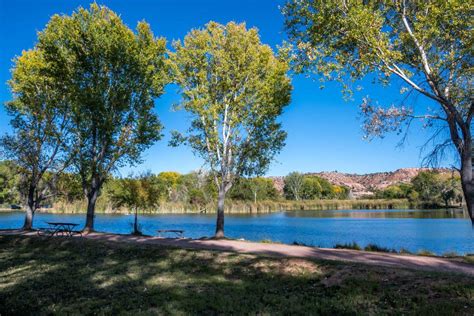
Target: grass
[(469, 258), (64, 276), (240, 207)]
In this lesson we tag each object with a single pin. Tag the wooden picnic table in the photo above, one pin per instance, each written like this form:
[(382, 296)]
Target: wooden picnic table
[(179, 233), (59, 229)]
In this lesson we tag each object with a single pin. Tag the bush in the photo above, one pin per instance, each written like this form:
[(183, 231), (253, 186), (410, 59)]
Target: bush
[(426, 253), (352, 245), (299, 243), (374, 247)]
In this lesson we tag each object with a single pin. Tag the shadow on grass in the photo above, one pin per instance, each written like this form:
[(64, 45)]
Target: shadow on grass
[(76, 276)]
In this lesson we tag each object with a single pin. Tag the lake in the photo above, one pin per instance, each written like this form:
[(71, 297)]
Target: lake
[(439, 231)]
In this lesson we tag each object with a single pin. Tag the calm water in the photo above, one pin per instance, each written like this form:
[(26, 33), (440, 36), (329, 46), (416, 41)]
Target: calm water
[(439, 231)]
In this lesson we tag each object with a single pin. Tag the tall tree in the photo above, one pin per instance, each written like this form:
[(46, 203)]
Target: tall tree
[(293, 185), (235, 88), (40, 122), (111, 76), (425, 45)]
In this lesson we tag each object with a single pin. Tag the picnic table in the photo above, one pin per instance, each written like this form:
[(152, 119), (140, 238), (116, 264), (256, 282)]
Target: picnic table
[(59, 229), (179, 233)]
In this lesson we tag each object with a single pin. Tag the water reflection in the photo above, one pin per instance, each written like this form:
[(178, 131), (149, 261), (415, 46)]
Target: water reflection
[(388, 213)]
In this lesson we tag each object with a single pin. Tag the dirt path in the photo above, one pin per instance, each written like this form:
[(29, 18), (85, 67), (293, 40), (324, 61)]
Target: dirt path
[(282, 250)]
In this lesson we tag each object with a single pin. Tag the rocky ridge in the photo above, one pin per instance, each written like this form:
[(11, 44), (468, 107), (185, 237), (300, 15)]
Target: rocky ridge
[(365, 184)]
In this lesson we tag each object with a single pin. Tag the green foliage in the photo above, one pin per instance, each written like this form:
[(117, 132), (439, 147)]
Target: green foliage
[(40, 120), (345, 41), (9, 182), (298, 186), (397, 191), (135, 192), (293, 185), (195, 188), (425, 45), (426, 253), (68, 188), (110, 77), (311, 188), (377, 248), (426, 185), (429, 188), (234, 87), (436, 188), (198, 188), (254, 189), (353, 246)]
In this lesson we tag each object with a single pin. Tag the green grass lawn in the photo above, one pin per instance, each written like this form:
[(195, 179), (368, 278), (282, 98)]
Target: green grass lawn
[(61, 276)]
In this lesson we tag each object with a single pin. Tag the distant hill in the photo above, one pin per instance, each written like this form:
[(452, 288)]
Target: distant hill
[(365, 184)]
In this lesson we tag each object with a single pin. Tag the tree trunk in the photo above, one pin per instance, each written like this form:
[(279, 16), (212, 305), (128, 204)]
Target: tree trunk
[(28, 225), (91, 200), (468, 190), (220, 214), (30, 210), (470, 203), (467, 180)]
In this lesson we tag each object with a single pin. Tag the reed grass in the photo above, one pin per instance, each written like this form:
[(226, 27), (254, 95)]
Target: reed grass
[(238, 207)]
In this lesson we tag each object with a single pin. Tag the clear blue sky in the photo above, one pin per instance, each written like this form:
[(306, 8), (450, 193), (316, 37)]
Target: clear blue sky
[(324, 131)]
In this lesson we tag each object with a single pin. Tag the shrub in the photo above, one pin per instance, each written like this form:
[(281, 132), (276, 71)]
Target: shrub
[(352, 245), (374, 247), (425, 252), (299, 243)]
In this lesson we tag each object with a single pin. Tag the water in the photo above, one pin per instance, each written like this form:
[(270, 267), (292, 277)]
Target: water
[(439, 231)]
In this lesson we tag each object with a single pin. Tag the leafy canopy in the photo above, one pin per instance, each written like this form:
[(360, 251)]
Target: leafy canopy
[(136, 192), (427, 45), (235, 88), (110, 75), (40, 122)]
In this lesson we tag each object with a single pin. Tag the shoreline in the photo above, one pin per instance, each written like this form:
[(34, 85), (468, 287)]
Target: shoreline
[(232, 211), (245, 207), (276, 250)]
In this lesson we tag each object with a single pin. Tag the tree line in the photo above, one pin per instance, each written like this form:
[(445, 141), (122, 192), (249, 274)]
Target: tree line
[(427, 189), (195, 188), (83, 97)]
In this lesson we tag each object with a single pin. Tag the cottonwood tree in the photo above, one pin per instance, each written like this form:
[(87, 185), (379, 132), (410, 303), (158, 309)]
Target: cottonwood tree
[(235, 88), (40, 121), (111, 76), (293, 185), (425, 45)]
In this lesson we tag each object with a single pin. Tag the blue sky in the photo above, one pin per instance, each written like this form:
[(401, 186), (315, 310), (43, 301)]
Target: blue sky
[(324, 131)]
